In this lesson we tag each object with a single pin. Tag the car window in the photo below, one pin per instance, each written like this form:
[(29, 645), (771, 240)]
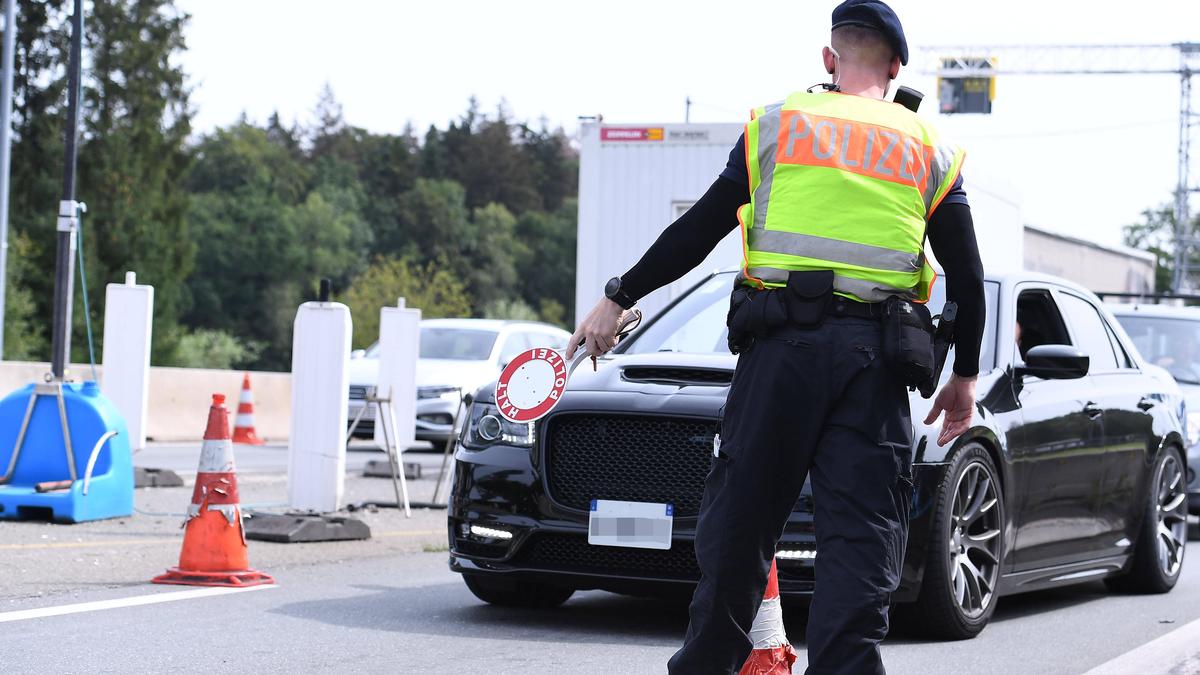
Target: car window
[(1090, 332), (554, 340), (1171, 343), (460, 344), (1039, 321), (514, 344), (695, 324)]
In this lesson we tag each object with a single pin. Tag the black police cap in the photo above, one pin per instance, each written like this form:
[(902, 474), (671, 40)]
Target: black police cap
[(877, 15)]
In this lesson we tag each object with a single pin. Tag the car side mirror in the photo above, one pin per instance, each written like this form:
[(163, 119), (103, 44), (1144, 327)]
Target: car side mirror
[(358, 353), (1055, 362)]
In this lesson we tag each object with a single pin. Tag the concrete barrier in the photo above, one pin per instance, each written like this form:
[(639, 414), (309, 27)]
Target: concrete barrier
[(180, 397)]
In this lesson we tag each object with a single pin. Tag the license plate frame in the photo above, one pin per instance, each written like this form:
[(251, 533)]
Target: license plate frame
[(630, 524)]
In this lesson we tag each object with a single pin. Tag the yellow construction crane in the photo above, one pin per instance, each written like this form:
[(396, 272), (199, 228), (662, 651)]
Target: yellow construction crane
[(966, 84)]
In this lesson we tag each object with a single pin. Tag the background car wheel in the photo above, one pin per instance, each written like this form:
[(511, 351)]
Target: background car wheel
[(962, 563), (516, 592), (1158, 552)]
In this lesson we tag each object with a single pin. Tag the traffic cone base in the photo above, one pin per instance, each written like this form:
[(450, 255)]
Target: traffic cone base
[(231, 578), (214, 541)]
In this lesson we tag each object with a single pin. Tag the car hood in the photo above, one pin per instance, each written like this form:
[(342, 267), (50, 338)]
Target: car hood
[(364, 371)]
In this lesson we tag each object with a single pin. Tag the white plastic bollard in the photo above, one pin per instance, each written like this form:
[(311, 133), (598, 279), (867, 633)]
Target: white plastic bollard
[(399, 338), (128, 321), (320, 396)]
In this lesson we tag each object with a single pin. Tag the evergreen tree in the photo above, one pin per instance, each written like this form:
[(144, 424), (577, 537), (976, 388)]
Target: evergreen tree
[(132, 160)]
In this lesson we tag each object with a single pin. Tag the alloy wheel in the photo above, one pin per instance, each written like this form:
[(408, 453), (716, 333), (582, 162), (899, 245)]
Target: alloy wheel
[(974, 545), (1172, 515)]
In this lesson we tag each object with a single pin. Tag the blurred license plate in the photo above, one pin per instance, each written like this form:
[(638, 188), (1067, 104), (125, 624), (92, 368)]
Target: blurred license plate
[(631, 524)]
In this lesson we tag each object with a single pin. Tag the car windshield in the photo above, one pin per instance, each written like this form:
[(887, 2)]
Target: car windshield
[(459, 344), (1171, 343), (696, 324)]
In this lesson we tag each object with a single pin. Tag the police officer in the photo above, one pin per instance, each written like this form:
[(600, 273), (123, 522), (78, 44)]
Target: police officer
[(835, 191)]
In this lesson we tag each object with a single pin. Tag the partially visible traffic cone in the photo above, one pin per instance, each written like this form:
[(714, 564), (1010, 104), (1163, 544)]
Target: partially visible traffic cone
[(214, 543), (772, 654), (243, 426)]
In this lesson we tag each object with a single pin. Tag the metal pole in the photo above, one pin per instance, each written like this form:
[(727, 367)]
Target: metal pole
[(6, 88), (64, 269)]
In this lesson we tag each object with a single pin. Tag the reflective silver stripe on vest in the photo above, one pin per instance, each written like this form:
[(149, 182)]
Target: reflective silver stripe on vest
[(867, 291), (768, 139), (943, 161), (833, 250)]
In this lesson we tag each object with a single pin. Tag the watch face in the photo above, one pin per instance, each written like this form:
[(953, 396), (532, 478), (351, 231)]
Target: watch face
[(611, 288)]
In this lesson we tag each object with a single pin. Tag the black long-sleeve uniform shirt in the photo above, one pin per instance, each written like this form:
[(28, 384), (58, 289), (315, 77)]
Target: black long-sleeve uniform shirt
[(687, 241)]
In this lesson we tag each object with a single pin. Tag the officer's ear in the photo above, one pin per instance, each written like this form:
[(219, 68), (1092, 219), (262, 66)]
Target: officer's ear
[(894, 68), (828, 58)]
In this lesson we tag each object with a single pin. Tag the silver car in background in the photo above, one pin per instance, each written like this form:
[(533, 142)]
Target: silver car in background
[(456, 355), (1169, 337)]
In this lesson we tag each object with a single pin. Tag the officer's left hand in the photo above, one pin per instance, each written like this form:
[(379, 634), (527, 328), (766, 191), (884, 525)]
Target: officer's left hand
[(957, 399)]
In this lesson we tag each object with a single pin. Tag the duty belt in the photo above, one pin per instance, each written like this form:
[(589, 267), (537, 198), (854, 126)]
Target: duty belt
[(841, 306)]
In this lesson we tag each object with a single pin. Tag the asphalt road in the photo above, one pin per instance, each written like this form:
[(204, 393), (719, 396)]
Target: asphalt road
[(390, 605), (408, 613)]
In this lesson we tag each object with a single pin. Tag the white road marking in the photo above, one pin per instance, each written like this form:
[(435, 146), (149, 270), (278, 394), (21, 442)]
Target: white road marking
[(1175, 652), (150, 599)]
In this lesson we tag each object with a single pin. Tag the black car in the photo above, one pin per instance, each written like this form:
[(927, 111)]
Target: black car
[(1073, 470)]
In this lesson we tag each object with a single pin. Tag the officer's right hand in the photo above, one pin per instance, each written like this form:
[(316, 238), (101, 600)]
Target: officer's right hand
[(598, 330), (957, 399)]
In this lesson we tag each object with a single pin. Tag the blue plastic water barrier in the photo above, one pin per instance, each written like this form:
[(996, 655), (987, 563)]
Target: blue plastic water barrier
[(102, 490)]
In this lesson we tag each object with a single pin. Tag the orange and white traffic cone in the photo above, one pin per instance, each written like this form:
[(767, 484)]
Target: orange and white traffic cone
[(243, 427), (214, 542), (773, 654)]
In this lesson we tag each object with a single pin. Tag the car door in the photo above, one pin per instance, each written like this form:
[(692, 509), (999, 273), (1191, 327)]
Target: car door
[(1056, 450), (1126, 396)]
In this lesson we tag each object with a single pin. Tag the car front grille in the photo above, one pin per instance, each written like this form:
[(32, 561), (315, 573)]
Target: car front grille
[(628, 458), (572, 552)]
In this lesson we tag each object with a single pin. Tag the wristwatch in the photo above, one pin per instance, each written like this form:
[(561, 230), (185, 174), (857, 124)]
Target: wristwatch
[(614, 292)]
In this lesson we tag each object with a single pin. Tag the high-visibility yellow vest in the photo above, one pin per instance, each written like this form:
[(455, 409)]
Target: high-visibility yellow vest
[(845, 183)]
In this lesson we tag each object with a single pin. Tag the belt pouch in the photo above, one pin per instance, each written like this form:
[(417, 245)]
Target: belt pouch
[(808, 296), (908, 340)]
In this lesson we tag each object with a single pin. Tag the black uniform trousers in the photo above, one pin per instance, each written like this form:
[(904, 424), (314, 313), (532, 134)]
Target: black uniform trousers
[(813, 400)]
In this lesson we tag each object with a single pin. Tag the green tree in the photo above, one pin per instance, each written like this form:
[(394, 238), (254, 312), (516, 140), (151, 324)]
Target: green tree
[(133, 156), (24, 331), (215, 349), (264, 239), (1155, 233), (547, 269), (430, 287)]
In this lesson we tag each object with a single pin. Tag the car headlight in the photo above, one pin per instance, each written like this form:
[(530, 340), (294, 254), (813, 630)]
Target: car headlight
[(1193, 428), (450, 393), (486, 427)]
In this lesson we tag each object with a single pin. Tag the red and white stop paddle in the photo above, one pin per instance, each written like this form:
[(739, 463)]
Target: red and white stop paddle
[(534, 381)]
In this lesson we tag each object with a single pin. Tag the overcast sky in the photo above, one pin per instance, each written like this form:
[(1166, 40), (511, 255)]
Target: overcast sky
[(1086, 153)]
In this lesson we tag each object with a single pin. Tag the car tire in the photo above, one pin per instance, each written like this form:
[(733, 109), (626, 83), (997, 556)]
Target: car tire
[(962, 561), (1162, 536), (516, 592)]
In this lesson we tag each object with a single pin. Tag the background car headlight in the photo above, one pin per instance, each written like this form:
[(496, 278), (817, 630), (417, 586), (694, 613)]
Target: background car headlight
[(486, 427), (448, 392), (1193, 428)]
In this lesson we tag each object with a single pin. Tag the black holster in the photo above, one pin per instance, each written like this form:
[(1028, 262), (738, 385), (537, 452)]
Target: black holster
[(908, 341)]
